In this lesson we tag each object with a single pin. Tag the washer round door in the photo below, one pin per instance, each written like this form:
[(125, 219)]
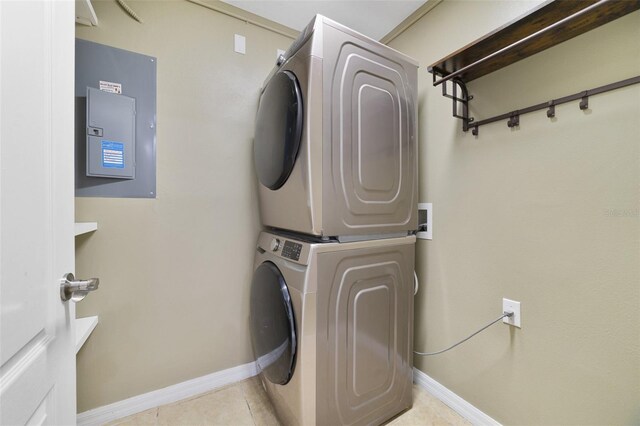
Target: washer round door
[(278, 129), (273, 332)]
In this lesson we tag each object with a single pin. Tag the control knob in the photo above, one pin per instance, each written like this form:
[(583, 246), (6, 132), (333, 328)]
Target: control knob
[(275, 244)]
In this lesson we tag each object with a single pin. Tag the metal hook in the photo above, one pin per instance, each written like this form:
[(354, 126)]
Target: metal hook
[(584, 103), (551, 112), (474, 131), (514, 120)]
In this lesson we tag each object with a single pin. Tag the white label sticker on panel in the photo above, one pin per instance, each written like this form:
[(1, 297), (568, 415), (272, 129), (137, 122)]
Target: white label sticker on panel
[(107, 86)]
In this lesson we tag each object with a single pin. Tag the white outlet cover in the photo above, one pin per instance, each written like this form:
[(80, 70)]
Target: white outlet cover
[(239, 44), (512, 306)]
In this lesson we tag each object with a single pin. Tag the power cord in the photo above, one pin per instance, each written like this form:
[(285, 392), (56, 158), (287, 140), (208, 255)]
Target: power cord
[(504, 315), (128, 9)]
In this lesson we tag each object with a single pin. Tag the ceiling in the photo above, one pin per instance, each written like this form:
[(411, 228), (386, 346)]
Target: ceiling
[(374, 18)]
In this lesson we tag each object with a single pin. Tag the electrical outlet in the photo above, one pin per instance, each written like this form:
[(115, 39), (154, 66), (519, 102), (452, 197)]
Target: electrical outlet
[(425, 221), (512, 306)]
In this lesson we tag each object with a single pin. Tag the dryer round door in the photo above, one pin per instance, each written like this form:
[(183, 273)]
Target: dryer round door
[(273, 332), (278, 129)]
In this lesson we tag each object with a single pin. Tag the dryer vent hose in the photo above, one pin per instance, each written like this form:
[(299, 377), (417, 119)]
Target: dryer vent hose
[(130, 11)]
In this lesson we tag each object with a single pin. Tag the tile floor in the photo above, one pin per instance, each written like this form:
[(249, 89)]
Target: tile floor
[(246, 403)]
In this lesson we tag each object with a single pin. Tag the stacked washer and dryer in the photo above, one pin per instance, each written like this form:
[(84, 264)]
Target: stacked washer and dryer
[(332, 293)]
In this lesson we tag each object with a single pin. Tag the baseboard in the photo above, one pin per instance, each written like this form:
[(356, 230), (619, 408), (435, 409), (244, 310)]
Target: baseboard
[(177, 392), (455, 402), (136, 404)]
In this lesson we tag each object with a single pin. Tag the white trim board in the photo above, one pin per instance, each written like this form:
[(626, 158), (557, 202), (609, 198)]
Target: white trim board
[(177, 392), (455, 402)]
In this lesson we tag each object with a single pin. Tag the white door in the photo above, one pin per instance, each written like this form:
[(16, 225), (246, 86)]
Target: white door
[(37, 350)]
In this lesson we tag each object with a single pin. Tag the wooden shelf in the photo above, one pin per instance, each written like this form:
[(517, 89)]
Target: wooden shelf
[(545, 26), (85, 227), (84, 328)]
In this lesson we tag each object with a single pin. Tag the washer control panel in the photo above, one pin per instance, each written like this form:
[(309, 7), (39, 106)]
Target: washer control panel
[(291, 250), (284, 247)]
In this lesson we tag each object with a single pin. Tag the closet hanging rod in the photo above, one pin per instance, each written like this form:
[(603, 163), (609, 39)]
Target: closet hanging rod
[(518, 43)]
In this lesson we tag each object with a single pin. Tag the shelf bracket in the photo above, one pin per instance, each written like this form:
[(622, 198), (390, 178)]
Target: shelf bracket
[(460, 103)]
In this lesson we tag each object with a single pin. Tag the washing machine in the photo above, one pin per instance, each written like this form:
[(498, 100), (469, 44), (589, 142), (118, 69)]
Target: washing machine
[(331, 328), (335, 138)]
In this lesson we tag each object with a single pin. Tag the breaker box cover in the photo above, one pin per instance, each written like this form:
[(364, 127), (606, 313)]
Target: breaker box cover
[(111, 133)]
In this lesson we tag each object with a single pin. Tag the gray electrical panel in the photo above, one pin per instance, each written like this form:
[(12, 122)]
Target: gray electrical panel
[(111, 135), (115, 122)]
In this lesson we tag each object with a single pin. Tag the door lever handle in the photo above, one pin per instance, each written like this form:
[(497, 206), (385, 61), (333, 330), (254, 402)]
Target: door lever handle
[(76, 290)]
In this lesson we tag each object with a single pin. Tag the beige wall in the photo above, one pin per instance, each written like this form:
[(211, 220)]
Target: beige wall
[(523, 214), (518, 214), (175, 271)]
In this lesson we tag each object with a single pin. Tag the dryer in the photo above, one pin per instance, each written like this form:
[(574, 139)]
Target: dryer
[(335, 138), (331, 327)]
